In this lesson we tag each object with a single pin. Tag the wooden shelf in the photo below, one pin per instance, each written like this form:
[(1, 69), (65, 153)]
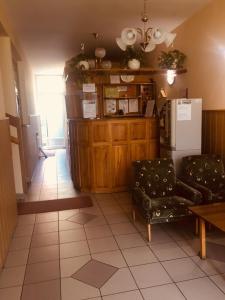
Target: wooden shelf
[(131, 72)]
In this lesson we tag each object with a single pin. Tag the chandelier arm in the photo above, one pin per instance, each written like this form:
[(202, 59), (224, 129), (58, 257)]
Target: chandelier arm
[(140, 31)]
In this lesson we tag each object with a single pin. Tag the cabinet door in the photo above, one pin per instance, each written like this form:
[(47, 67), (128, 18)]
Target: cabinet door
[(153, 149), (120, 166), (101, 168), (139, 151), (84, 167)]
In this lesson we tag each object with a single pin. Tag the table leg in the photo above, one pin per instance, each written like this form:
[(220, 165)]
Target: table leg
[(202, 238)]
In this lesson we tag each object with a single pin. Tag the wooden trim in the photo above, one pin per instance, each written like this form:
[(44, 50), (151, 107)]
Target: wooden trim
[(14, 140), (8, 214), (213, 110), (17, 123), (213, 138)]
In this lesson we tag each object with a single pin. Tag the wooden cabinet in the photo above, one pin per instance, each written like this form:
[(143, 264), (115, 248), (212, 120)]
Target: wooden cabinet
[(102, 151)]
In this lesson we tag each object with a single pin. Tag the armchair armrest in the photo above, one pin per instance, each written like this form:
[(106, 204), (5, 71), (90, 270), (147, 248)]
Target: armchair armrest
[(141, 199), (184, 190), (206, 193)]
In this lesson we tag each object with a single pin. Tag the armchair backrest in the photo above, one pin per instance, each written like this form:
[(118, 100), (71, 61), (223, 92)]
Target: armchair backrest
[(207, 170), (155, 177)]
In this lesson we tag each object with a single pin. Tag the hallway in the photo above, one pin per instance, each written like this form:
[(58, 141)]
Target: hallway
[(51, 179)]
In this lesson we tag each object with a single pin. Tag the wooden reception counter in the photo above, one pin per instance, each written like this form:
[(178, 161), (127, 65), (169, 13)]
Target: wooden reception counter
[(102, 150)]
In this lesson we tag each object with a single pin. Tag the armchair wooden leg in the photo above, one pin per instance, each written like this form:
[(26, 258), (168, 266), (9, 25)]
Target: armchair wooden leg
[(149, 232), (196, 226)]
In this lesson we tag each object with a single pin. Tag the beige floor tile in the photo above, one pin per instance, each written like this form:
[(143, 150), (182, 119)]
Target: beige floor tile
[(65, 214), (123, 228), (43, 271), (117, 218), (47, 217), (150, 275), (74, 249), (20, 243), (98, 221), (17, 258), (210, 266), (98, 232), (67, 225), (113, 258), (47, 239), (71, 287), (183, 269), (42, 254), (69, 266), (200, 289), (113, 285), (12, 277), (102, 245), (12, 293), (130, 240), (42, 291), (167, 291), (74, 235), (139, 256), (132, 295), (111, 209), (24, 230), (159, 236), (219, 280), (47, 227), (104, 197), (168, 251), (26, 219)]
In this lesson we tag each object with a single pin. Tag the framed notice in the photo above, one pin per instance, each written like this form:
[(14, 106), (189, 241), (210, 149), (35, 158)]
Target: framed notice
[(89, 109), (123, 105), (133, 105), (110, 106)]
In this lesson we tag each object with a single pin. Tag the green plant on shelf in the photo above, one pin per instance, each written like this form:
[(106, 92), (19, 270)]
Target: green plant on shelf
[(173, 59)]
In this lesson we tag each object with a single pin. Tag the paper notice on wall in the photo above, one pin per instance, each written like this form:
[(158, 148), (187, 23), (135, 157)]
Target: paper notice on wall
[(184, 111), (89, 109), (89, 87)]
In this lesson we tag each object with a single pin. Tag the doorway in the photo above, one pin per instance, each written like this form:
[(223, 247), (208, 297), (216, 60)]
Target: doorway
[(51, 107)]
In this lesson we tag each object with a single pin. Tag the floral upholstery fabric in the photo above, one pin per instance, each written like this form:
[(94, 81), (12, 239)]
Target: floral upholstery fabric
[(158, 195), (205, 173), (155, 177)]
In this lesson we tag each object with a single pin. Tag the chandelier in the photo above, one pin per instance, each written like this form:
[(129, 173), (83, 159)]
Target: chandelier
[(148, 37)]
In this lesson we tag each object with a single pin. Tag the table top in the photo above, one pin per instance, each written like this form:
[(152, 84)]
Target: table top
[(212, 213)]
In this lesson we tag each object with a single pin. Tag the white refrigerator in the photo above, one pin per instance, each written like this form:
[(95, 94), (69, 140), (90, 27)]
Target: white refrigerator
[(180, 129)]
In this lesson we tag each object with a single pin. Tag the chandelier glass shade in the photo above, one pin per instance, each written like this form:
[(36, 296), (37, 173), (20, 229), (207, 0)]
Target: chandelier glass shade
[(148, 37)]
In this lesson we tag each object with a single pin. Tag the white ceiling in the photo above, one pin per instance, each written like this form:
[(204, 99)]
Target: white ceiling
[(51, 31)]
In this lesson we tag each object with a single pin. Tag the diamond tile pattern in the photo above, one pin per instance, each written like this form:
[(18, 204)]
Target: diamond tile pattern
[(97, 253), (82, 218), (95, 273)]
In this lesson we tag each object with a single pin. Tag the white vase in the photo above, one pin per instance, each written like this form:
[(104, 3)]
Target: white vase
[(83, 65), (134, 64)]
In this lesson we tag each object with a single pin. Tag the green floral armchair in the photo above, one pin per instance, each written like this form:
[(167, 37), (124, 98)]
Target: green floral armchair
[(206, 174), (158, 195)]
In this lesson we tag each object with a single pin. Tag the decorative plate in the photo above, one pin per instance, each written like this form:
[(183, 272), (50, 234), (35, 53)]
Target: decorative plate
[(127, 78)]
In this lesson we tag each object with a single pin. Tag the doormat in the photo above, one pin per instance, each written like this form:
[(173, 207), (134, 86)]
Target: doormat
[(36, 207)]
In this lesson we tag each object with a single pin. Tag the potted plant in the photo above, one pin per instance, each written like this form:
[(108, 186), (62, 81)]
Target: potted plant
[(133, 57), (172, 60)]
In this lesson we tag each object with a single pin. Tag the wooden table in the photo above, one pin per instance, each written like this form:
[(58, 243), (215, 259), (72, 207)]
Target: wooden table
[(213, 214)]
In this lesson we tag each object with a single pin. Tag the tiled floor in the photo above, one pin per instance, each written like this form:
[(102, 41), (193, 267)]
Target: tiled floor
[(52, 178), (97, 253)]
